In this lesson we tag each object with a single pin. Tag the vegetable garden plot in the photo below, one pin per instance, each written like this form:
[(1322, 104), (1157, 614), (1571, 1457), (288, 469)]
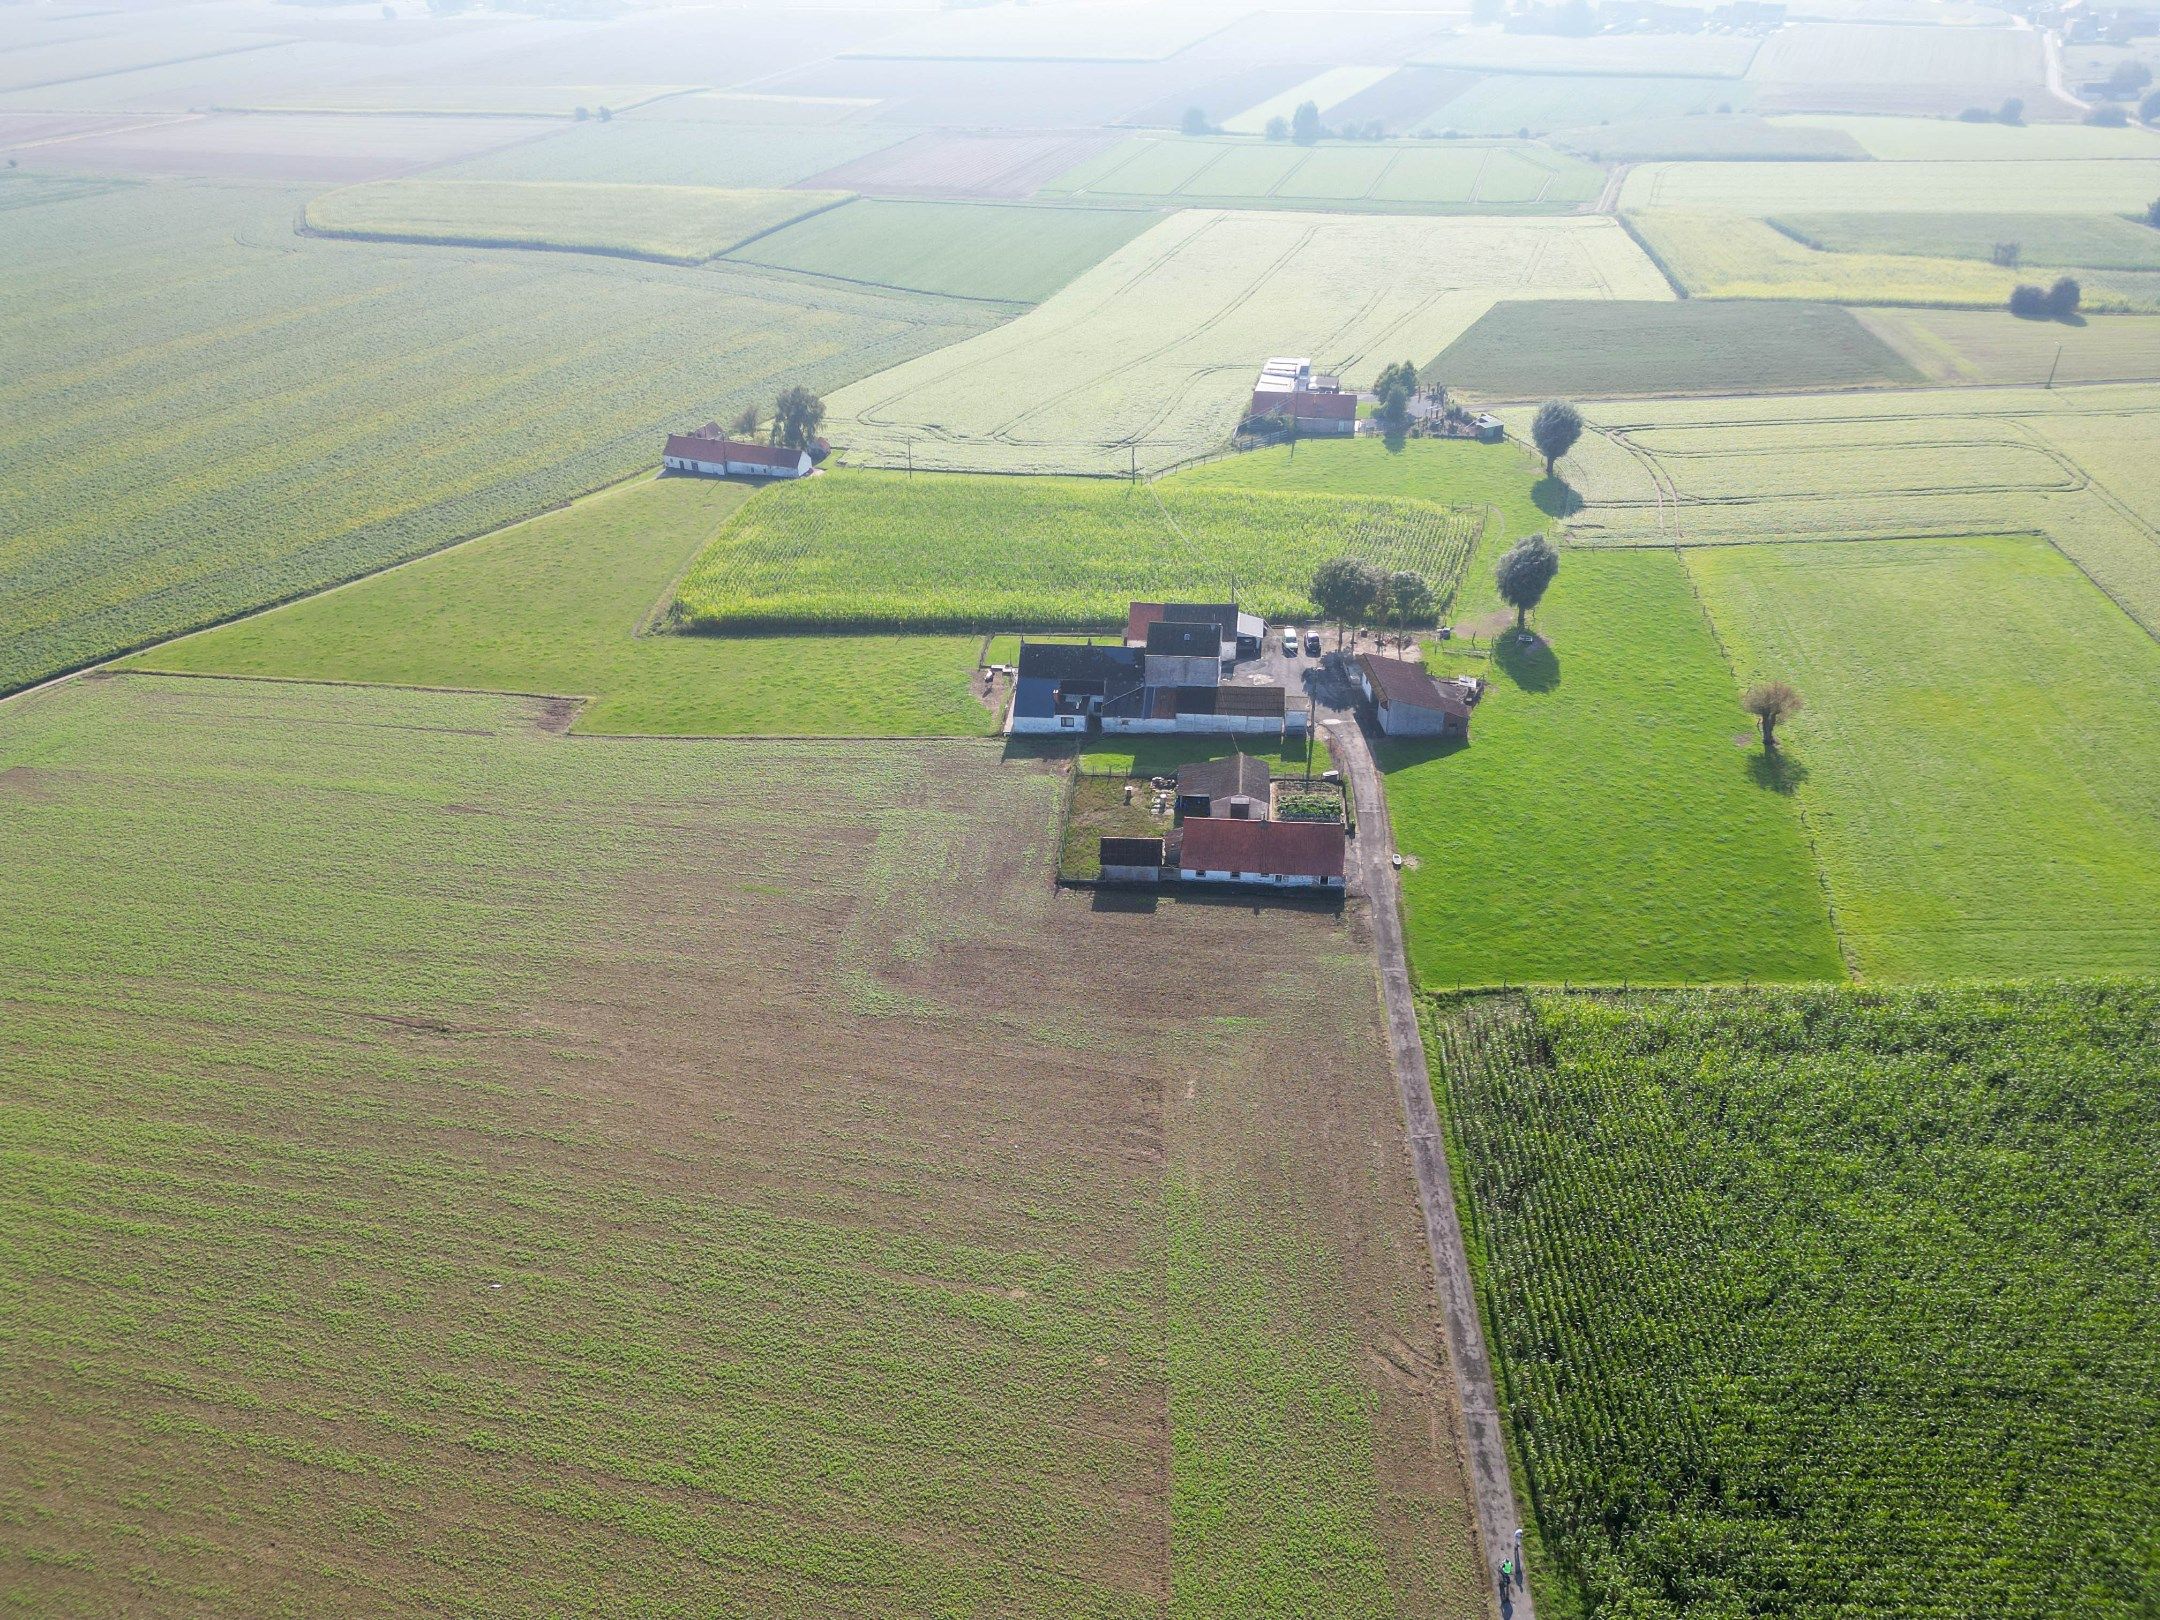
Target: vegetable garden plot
[(1838, 1295)]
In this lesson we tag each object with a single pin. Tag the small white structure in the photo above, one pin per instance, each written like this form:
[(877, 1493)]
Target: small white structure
[(732, 458)]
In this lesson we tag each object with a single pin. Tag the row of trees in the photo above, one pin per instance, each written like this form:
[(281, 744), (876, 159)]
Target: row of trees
[(1349, 590), (2056, 303), (797, 416)]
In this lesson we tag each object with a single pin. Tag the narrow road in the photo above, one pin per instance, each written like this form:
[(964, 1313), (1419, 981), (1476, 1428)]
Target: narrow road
[(1372, 874)]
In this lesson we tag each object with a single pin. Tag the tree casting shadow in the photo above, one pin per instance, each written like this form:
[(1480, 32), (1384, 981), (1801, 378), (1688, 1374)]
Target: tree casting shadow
[(1531, 665), (1554, 497), (1780, 773)]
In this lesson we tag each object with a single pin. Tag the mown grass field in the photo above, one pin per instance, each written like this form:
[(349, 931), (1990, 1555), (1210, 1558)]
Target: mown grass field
[(1602, 826), (1148, 358), (1980, 757), (1916, 140), (960, 250), (1831, 1294), (1541, 348), (2009, 185), (556, 606), (1728, 256), (2073, 464), (678, 224), (1994, 346), (456, 1167), (2097, 241), (861, 549), (215, 415), (1697, 139), (1377, 176)]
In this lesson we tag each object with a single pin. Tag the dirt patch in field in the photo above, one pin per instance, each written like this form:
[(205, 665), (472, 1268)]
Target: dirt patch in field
[(21, 782)]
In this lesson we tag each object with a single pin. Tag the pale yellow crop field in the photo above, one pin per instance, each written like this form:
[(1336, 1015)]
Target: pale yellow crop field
[(1728, 256), (1913, 140), (1994, 346), (2038, 186), (2075, 464), (1149, 357)]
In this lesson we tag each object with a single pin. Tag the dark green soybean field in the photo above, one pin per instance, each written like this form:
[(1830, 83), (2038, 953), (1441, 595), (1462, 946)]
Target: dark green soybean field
[(1823, 1302)]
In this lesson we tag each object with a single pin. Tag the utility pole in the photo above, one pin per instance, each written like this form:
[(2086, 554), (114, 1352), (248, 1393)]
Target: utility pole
[(911, 458), (1133, 452), (2053, 364)]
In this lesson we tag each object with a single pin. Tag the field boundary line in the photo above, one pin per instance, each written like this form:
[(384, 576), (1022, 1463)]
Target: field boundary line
[(1846, 953), (105, 661), (581, 700), (1620, 217)]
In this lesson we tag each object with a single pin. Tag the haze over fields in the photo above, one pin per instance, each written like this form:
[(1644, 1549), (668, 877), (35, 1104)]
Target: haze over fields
[(655, 960)]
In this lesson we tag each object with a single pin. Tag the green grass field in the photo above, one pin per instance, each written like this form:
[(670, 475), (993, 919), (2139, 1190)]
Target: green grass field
[(859, 549), (1540, 348), (323, 408), (2098, 241), (1148, 358), (1729, 256), (1384, 177), (1980, 758), (678, 224), (455, 1167), (1602, 826), (554, 606), (961, 250), (1837, 1295)]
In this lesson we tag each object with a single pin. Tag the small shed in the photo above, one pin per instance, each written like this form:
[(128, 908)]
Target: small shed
[(1131, 860), (1235, 788)]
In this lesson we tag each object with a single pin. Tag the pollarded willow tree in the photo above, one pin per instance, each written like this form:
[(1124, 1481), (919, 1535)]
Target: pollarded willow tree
[(1771, 703)]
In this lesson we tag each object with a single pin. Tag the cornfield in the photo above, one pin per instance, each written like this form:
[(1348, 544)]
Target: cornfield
[(862, 549), (1824, 1302)]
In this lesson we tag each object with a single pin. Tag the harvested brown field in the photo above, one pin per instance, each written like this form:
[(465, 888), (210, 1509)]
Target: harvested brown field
[(935, 165), (527, 1171), (329, 147)]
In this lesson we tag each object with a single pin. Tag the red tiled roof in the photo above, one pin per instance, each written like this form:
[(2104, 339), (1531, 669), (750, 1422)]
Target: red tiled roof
[(1138, 617), (1338, 407), (1265, 848), (697, 447), (1401, 681)]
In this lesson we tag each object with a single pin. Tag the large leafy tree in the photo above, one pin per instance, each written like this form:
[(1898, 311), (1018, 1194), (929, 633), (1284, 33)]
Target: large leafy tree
[(1554, 431), (1523, 572), (1305, 123), (1346, 590), (797, 416)]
